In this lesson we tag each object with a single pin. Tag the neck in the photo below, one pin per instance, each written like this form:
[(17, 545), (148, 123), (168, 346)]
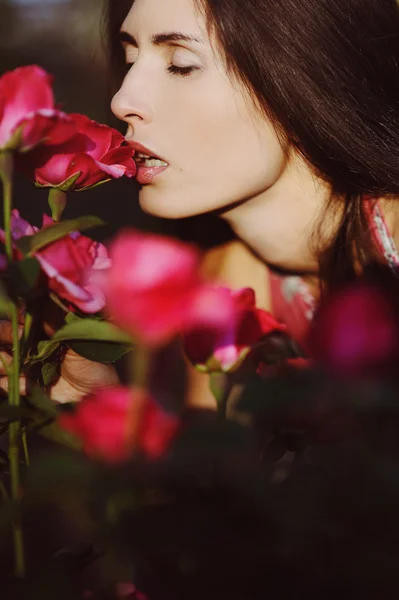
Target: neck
[(281, 224)]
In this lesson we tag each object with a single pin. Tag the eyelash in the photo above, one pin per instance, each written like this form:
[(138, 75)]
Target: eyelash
[(182, 71)]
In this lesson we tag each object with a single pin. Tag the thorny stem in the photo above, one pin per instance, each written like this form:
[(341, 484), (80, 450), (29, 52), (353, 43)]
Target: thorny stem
[(6, 175)]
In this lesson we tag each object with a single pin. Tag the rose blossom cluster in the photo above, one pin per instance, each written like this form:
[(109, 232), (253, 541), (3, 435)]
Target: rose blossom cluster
[(64, 152), (153, 290), (56, 149)]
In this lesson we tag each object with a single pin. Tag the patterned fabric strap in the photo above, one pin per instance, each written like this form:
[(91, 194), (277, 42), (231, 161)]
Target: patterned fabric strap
[(381, 235)]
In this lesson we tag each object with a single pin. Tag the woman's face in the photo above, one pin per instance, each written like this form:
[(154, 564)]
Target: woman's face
[(178, 102)]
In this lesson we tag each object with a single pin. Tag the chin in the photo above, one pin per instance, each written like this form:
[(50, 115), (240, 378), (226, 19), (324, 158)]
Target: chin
[(158, 205)]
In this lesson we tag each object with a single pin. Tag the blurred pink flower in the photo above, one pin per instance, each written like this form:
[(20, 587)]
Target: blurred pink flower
[(96, 153), (27, 113), (128, 590), (101, 420), (211, 349), (154, 290), (356, 329), (70, 263)]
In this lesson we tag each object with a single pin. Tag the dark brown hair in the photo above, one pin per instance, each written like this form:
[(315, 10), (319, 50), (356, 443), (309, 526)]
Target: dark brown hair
[(327, 73)]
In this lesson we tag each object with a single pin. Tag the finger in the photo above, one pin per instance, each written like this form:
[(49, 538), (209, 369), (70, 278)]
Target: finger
[(4, 385), (6, 332), (5, 361)]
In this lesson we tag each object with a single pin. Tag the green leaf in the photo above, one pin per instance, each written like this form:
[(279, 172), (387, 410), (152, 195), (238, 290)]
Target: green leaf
[(41, 414), (24, 275), (39, 400), (104, 352), (50, 371), (54, 432), (45, 349), (71, 317), (5, 302), (65, 186), (91, 187), (68, 184), (92, 330), (32, 243)]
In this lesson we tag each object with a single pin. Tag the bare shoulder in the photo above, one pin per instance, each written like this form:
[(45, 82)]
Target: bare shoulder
[(236, 266), (390, 210)]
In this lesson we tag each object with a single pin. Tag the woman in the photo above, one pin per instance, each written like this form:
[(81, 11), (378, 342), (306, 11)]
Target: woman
[(280, 117)]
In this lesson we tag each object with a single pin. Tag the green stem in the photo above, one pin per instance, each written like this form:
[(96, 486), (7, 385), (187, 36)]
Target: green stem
[(141, 363), (6, 175), (220, 386), (222, 404), (27, 327), (57, 201), (28, 322), (140, 370)]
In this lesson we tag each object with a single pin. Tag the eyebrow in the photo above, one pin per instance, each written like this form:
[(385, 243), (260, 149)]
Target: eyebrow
[(158, 39)]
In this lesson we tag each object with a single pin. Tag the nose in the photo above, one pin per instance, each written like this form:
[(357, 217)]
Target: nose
[(131, 103)]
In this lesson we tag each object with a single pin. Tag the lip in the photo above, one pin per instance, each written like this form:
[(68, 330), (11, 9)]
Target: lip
[(145, 175), (140, 148)]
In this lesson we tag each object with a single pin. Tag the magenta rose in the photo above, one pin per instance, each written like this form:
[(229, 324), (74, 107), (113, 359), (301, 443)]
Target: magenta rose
[(153, 289), (28, 116), (101, 421), (224, 350), (95, 154), (356, 329), (70, 263)]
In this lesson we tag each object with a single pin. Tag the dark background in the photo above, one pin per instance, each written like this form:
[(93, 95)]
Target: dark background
[(68, 39)]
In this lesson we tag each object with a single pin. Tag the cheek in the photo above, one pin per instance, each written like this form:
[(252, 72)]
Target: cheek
[(225, 136), (221, 154), (238, 158)]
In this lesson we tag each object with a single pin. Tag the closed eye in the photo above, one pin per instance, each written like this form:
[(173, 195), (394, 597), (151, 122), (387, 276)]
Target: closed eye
[(173, 69), (183, 71)]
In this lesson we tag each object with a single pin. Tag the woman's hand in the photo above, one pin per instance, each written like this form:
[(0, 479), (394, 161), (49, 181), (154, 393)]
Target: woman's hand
[(78, 375)]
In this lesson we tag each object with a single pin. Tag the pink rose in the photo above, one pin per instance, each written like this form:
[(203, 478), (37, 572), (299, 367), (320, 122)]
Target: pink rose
[(101, 420), (224, 350), (96, 153), (70, 263), (154, 291), (27, 113), (356, 329), (19, 228)]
